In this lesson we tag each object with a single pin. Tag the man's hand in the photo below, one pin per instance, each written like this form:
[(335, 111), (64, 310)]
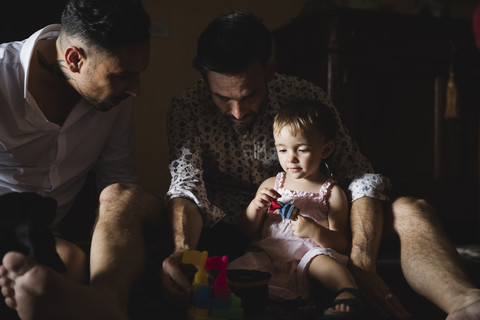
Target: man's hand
[(378, 296), (175, 278)]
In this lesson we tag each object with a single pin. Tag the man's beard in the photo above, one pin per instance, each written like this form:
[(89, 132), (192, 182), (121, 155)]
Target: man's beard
[(105, 105), (241, 128)]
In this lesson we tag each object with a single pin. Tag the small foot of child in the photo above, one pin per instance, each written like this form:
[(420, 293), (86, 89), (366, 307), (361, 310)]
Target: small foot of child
[(348, 304)]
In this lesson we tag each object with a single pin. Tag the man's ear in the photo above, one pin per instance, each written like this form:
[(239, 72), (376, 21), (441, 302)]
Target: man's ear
[(328, 149), (74, 58)]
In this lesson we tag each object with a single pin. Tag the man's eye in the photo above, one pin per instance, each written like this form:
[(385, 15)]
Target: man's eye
[(223, 99), (249, 97)]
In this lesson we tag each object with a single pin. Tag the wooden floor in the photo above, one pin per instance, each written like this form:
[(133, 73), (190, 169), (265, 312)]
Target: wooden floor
[(148, 304)]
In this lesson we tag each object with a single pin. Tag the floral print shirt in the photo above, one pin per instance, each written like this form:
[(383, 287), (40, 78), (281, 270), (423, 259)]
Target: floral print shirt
[(220, 168)]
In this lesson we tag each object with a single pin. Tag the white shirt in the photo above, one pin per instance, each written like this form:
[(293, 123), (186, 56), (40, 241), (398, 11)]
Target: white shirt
[(37, 155)]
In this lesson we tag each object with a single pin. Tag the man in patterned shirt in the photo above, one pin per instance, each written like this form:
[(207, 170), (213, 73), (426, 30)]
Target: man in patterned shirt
[(222, 148)]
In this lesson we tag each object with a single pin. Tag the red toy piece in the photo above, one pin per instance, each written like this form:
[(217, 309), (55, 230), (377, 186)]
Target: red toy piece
[(216, 301), (286, 210)]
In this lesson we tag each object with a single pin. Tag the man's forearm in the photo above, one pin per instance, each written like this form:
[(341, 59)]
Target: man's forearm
[(186, 220), (367, 225)]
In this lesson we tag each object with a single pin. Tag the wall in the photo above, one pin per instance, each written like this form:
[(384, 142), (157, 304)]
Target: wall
[(170, 71), (437, 8)]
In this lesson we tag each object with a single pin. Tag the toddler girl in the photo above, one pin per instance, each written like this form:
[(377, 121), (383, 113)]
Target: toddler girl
[(313, 243)]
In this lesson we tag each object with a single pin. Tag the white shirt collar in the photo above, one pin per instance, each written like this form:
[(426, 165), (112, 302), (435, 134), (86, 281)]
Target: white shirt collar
[(50, 31)]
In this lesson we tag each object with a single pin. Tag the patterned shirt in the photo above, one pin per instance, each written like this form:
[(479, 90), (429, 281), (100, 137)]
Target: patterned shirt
[(220, 168)]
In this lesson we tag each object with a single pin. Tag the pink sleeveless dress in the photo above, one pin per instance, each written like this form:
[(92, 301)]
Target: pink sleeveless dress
[(282, 254)]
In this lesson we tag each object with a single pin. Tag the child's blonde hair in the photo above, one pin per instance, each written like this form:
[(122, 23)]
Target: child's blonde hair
[(303, 115)]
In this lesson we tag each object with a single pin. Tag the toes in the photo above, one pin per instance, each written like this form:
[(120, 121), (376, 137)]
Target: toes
[(8, 291), (10, 302), (16, 264), (3, 271), (5, 281)]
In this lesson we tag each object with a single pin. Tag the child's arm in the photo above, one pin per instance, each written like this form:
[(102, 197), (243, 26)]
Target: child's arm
[(337, 235), (254, 215)]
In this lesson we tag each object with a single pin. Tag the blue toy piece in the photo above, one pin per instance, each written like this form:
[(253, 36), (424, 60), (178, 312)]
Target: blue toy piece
[(286, 210)]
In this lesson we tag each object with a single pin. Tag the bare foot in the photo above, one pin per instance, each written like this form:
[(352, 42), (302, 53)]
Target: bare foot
[(37, 292), (469, 312)]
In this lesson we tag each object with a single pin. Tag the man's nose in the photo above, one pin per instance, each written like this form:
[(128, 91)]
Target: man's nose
[(237, 109), (133, 87)]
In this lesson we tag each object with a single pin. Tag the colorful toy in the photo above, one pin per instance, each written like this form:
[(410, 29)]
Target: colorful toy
[(286, 210), (211, 301)]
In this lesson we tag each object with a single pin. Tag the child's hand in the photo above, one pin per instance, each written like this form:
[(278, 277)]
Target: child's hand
[(264, 197), (304, 227)]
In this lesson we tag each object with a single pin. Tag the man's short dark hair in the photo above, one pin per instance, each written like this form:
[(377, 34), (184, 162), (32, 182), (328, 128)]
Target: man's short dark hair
[(106, 24), (232, 42)]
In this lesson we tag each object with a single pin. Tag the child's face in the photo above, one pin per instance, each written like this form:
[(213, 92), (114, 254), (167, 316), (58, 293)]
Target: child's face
[(300, 156)]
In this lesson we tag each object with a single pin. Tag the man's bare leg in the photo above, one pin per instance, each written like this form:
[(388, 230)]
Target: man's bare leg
[(117, 258), (430, 263), (118, 251), (75, 259)]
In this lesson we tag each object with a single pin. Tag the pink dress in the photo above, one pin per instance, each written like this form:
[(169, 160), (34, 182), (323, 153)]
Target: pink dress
[(282, 254)]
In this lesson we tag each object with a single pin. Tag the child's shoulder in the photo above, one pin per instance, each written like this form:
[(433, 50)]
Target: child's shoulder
[(337, 192), (268, 183)]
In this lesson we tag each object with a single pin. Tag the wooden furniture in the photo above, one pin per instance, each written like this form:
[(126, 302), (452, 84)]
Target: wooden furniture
[(387, 75)]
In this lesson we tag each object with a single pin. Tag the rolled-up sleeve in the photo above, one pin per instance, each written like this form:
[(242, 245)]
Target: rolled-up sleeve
[(186, 161), (373, 185)]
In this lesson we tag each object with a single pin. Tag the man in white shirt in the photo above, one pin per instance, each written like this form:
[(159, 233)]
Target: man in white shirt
[(65, 107)]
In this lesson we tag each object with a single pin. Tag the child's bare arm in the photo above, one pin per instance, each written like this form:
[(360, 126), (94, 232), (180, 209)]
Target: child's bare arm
[(255, 212), (337, 235), (338, 220)]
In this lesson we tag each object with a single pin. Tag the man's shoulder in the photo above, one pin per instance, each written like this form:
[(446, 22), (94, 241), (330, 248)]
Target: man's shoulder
[(293, 82), (12, 73), (196, 95), (291, 87), (20, 51), (198, 89), (10, 51)]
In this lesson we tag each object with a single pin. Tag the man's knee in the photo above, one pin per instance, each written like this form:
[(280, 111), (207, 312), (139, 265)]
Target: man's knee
[(126, 201), (118, 192), (409, 211)]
